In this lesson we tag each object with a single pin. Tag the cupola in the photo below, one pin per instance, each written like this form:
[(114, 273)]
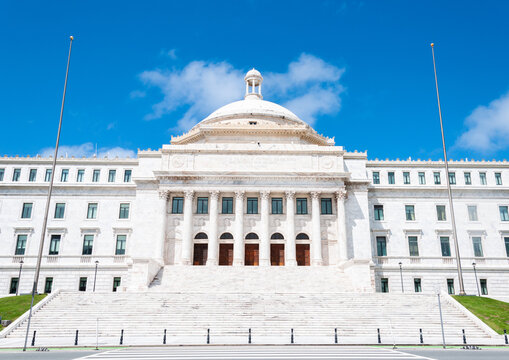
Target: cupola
[(253, 81)]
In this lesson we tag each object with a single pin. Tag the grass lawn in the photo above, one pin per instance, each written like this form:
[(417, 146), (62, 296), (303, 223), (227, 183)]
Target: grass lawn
[(493, 312), (12, 307)]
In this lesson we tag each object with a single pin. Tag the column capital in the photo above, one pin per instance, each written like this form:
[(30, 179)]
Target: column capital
[(189, 194), (164, 194), (265, 194), (290, 194), (214, 194), (341, 194), (315, 195), (239, 194)]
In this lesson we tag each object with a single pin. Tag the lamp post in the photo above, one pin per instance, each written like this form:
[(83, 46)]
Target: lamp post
[(437, 290), (476, 281), (401, 276), (95, 276), (19, 276)]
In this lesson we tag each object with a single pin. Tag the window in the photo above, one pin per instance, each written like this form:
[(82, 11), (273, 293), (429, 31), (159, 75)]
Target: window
[(376, 177), (124, 211), (452, 178), (227, 205), (436, 177), (476, 241), (120, 249), (482, 177), (95, 175), (2, 172), (277, 205), (54, 245), (326, 206), (410, 212), (16, 174), (445, 245), (116, 283), (202, 205), (21, 244), (302, 206), (47, 175), (88, 242), (422, 178), (413, 246), (111, 175), (506, 241), (26, 213), (390, 176), (450, 286), (252, 205), (384, 285), (92, 211), (472, 213), (127, 175), (484, 286), (64, 175), (406, 178), (498, 178), (381, 246), (177, 205), (80, 175), (379, 212), (417, 285), (59, 210), (33, 175), (83, 284), (13, 289), (441, 213), (277, 236), (504, 213), (48, 285), (468, 178)]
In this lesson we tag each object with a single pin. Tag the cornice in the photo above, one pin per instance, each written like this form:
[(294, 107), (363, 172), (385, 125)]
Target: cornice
[(436, 164)]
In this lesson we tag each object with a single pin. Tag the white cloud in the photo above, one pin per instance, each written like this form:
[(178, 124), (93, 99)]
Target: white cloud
[(488, 127), (137, 94), (88, 150), (310, 87)]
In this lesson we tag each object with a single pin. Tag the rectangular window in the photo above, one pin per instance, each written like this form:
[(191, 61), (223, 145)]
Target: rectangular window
[(326, 206), (504, 213), (83, 284), (410, 212), (452, 178), (120, 249), (406, 178), (92, 211), (80, 175), (450, 286), (436, 177), (445, 245), (376, 177), (177, 205), (381, 246), (54, 245), (127, 175), (277, 205), (498, 178), (302, 206), (2, 172), (422, 178), (47, 175), (384, 285), (379, 212), (48, 285), (252, 205), (441, 213), (484, 286), (506, 241), (64, 175), (59, 210), (16, 174), (391, 178), (88, 242), (468, 178), (21, 244), (33, 175), (472, 213), (95, 175), (202, 205), (227, 205), (417, 285), (413, 246), (124, 211), (13, 289), (111, 175), (26, 213), (476, 241), (482, 177), (116, 283)]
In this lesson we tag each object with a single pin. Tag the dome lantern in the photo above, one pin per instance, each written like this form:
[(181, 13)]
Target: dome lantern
[(253, 81)]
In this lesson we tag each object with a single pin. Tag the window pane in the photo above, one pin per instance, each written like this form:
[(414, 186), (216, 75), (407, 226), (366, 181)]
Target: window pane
[(47, 176), (472, 213), (376, 177), (111, 175), (92, 211), (54, 245), (26, 213), (83, 284), (504, 213), (482, 177), (498, 178), (326, 205), (410, 212), (48, 285), (452, 178), (81, 174), (445, 245), (203, 205), (413, 246), (88, 241), (127, 175), (64, 175), (120, 249), (227, 205), (381, 246), (33, 175), (436, 177), (476, 240), (417, 285), (116, 283), (406, 177), (468, 179), (21, 245), (379, 212), (441, 213), (16, 174), (252, 205), (302, 206), (277, 205), (124, 211), (422, 178), (59, 210), (2, 172), (96, 175), (484, 286), (14, 285), (506, 241), (177, 205), (384, 285), (391, 177), (450, 286)]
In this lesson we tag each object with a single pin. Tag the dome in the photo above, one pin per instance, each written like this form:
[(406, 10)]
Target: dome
[(252, 73)]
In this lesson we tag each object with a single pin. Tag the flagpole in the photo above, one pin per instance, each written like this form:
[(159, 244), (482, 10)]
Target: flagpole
[(449, 192), (50, 190)]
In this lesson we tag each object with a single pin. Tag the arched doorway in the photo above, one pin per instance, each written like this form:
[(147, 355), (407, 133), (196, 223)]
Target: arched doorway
[(226, 249), (277, 250), (302, 251), (251, 257), (200, 249)]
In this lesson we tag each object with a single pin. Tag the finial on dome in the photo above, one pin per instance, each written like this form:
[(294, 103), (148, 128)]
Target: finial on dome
[(253, 80)]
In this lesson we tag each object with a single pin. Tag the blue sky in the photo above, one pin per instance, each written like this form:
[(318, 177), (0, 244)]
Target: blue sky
[(360, 71)]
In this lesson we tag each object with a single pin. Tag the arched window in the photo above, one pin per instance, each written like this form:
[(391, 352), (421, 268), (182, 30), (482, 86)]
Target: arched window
[(201, 236), (226, 236), (251, 236), (302, 236), (277, 236)]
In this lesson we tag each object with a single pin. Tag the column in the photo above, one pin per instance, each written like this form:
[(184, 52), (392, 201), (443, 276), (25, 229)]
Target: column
[(163, 208), (238, 246), (290, 257), (265, 235), (316, 240), (342, 240), (187, 233), (213, 248)]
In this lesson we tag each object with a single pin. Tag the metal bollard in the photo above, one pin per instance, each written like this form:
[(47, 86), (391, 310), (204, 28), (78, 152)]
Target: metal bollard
[(464, 337), (76, 339), (291, 337), (249, 338), (121, 336), (379, 338), (420, 336), (164, 337), (33, 338), (505, 336), (208, 336), (335, 335)]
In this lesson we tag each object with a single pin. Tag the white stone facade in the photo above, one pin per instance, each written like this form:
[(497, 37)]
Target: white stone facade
[(231, 174)]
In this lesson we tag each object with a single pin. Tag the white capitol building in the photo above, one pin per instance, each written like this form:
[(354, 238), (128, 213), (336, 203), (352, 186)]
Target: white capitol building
[(261, 200)]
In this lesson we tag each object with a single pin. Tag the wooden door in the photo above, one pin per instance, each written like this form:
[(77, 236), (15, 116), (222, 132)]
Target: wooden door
[(302, 252), (200, 254), (226, 254), (277, 254), (251, 255)]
